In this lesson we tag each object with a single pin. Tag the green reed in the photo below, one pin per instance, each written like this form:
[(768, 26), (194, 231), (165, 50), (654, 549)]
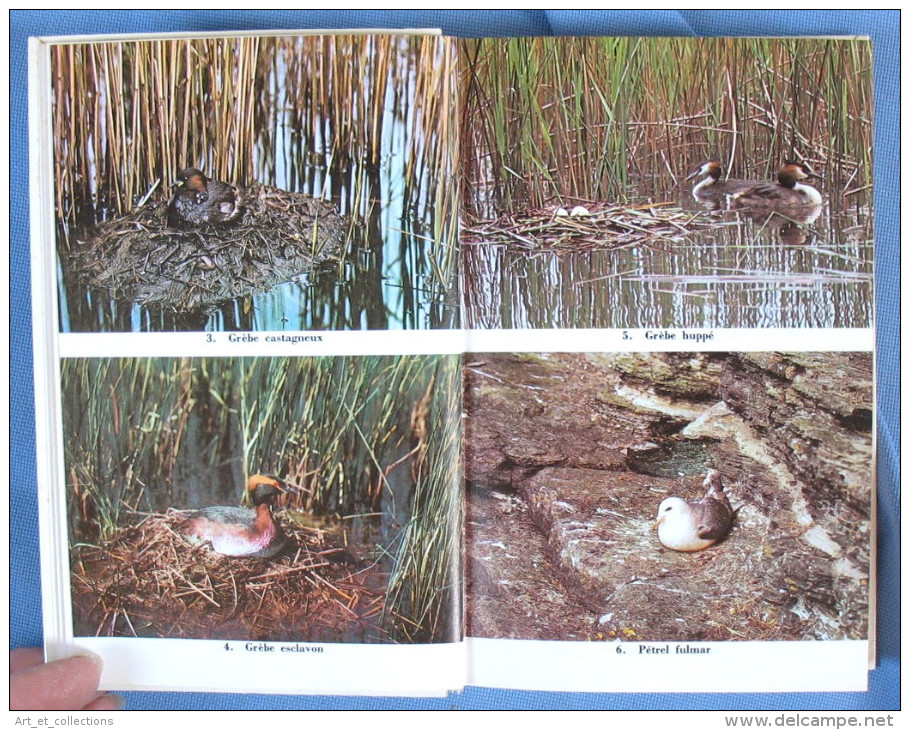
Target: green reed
[(585, 118), (138, 433), (425, 589)]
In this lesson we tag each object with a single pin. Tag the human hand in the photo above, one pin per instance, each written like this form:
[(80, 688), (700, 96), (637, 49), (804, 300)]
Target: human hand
[(67, 684)]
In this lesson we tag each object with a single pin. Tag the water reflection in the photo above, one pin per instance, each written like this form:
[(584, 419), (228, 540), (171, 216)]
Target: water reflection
[(805, 269)]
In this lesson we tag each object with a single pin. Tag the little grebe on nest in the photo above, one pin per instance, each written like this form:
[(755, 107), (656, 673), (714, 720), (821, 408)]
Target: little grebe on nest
[(199, 201)]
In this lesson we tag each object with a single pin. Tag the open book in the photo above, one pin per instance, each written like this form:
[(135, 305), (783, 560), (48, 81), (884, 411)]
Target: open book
[(391, 363)]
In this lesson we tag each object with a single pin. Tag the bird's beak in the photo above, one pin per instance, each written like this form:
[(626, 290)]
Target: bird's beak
[(693, 174), (656, 523), (176, 183)]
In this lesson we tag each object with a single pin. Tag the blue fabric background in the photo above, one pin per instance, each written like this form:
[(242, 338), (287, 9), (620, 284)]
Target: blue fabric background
[(882, 26)]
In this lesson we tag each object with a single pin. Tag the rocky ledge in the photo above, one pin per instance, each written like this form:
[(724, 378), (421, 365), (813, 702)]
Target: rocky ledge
[(568, 457)]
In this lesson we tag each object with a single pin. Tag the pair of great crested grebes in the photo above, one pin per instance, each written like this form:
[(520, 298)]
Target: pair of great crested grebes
[(788, 192)]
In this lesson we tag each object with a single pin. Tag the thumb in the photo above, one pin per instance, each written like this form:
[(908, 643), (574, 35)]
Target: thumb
[(67, 684)]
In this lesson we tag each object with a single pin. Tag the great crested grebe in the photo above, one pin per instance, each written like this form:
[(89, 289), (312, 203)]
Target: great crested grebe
[(787, 192), (238, 531), (710, 188), (200, 201), (688, 525)]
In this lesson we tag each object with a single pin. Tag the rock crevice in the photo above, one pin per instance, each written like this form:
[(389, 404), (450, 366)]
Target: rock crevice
[(568, 477)]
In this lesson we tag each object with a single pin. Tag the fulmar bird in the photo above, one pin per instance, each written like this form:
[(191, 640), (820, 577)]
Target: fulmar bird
[(688, 525)]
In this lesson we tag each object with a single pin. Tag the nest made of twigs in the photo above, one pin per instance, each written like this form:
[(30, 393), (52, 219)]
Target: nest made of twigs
[(601, 227), (280, 237), (148, 581)]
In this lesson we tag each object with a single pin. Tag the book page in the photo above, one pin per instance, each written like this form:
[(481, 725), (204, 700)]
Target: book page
[(667, 254), (632, 331), (248, 367)]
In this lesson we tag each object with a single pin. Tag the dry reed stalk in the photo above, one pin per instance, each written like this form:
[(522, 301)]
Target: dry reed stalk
[(148, 109), (606, 227), (179, 591), (334, 117)]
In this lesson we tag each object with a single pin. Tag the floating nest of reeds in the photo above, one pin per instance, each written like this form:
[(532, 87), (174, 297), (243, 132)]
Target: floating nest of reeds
[(599, 227), (149, 582), (279, 238)]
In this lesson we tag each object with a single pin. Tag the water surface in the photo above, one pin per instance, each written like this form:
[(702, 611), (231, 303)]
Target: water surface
[(743, 273)]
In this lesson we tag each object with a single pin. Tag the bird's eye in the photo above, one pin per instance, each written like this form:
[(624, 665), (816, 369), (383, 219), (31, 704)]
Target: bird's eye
[(669, 508)]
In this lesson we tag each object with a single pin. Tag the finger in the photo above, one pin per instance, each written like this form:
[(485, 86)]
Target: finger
[(20, 659), (68, 684), (106, 703)]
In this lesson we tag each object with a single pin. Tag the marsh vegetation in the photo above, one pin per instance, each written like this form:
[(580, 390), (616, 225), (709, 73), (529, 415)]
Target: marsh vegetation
[(620, 122), (371, 444), (362, 121)]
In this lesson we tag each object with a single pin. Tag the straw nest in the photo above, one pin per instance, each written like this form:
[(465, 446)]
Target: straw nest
[(280, 236), (598, 227), (147, 581)]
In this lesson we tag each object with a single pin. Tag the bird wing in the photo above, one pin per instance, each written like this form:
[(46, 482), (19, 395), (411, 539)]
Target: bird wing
[(713, 519), (220, 192), (228, 515), (765, 192)]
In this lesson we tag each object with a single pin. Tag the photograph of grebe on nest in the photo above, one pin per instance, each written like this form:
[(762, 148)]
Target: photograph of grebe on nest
[(255, 184), (685, 182), (283, 499)]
